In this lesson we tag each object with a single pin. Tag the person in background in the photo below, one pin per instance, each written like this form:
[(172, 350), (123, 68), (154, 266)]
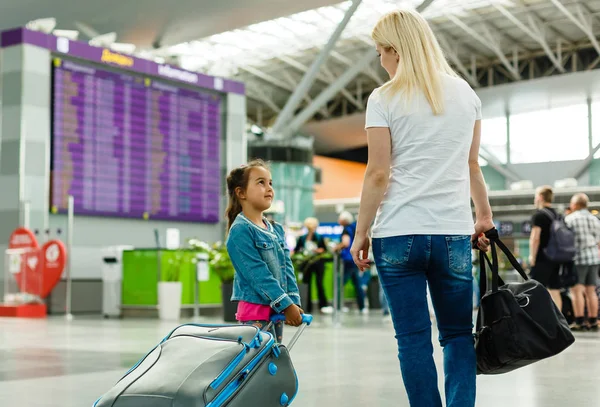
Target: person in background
[(311, 245), (543, 269), (264, 281), (351, 272), (587, 262), (423, 134)]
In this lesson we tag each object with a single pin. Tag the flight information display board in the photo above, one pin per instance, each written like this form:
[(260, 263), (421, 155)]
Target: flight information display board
[(129, 146)]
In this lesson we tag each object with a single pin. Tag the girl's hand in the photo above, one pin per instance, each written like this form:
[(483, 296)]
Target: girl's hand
[(293, 315)]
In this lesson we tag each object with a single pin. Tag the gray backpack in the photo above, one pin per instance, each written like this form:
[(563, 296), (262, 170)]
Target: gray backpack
[(561, 245), (209, 366)]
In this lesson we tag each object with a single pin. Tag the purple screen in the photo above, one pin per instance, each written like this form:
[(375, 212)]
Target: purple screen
[(127, 146)]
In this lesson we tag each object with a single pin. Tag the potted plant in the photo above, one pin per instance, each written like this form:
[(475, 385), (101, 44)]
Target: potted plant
[(220, 263), (170, 288)]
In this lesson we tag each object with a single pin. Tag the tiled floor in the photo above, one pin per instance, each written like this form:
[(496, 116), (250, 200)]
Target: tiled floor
[(55, 363)]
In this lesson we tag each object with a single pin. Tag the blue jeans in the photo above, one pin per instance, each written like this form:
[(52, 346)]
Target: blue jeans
[(385, 307), (406, 264)]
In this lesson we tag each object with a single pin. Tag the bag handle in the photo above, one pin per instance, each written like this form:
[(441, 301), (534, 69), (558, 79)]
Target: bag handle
[(497, 281)]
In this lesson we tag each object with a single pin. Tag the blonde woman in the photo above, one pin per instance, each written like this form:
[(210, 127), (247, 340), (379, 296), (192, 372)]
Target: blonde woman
[(423, 130)]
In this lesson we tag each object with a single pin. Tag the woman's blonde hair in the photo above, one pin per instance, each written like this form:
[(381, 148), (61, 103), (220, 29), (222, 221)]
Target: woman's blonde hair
[(421, 59), (311, 223)]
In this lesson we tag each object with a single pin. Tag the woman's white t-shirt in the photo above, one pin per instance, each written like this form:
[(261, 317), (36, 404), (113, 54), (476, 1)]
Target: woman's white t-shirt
[(429, 187)]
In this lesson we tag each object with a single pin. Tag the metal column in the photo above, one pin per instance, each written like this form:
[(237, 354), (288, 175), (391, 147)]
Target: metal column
[(590, 125), (71, 204), (338, 289), (310, 76), (508, 159)]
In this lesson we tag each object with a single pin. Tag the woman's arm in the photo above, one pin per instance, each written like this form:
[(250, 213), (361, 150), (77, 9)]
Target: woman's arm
[(376, 178), (375, 184), (483, 210)]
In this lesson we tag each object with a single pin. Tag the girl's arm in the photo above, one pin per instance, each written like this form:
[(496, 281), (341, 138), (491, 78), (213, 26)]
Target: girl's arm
[(247, 262), (290, 275)]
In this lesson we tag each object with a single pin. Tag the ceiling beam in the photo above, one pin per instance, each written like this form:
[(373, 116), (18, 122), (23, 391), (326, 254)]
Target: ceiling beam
[(328, 79), (309, 77), (268, 78), (586, 163), (453, 56), (535, 32), (294, 83), (330, 92), (581, 23), (370, 72), (488, 41), (259, 95)]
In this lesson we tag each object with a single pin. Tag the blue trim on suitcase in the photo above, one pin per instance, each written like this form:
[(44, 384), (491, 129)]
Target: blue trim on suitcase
[(230, 368), (297, 388), (232, 387)]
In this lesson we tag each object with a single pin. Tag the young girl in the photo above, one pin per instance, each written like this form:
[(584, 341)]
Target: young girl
[(264, 283)]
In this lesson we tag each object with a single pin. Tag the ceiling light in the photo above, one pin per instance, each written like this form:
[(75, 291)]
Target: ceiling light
[(70, 34), (45, 25), (124, 48), (104, 40)]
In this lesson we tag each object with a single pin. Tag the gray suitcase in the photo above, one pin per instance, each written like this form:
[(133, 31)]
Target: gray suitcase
[(200, 365)]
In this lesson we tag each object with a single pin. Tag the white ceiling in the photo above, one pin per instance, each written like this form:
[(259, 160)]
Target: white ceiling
[(145, 22)]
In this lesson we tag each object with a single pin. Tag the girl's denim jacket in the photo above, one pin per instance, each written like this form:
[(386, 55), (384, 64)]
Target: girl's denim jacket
[(264, 273)]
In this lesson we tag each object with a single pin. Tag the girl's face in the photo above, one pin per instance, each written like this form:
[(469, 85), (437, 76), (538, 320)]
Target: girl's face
[(259, 192), (388, 59)]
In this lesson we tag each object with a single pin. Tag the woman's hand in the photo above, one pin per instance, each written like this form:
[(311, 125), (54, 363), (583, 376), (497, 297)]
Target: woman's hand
[(361, 244), (482, 226)]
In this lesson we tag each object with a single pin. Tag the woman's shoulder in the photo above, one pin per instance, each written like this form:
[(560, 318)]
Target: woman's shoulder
[(375, 96)]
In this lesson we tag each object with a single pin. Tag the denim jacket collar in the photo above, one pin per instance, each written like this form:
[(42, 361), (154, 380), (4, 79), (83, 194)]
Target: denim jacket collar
[(270, 229)]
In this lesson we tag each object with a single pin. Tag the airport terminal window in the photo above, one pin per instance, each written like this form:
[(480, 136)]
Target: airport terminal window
[(557, 134), (493, 137), (596, 126)]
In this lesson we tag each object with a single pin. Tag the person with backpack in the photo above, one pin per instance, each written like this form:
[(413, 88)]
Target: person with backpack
[(351, 272), (545, 268), (587, 262)]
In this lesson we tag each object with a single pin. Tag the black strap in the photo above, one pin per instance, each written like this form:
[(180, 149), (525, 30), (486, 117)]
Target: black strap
[(497, 281)]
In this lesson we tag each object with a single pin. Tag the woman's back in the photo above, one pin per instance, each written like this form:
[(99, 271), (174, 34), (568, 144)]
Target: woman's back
[(423, 133), (428, 191)]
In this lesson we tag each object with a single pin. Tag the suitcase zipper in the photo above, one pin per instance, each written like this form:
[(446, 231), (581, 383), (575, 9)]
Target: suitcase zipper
[(230, 368), (232, 387)]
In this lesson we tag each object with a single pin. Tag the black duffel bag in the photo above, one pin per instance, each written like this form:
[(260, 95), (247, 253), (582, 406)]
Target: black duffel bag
[(518, 323)]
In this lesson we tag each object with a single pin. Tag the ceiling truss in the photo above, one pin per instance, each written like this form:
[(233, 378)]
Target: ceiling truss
[(555, 37)]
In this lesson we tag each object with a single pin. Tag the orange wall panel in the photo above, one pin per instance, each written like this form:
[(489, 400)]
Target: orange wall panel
[(340, 178)]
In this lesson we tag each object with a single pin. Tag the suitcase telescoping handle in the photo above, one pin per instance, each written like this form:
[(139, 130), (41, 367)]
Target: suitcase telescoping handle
[(306, 321)]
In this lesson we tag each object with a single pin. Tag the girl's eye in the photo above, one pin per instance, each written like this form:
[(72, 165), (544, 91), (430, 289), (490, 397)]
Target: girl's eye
[(379, 55)]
